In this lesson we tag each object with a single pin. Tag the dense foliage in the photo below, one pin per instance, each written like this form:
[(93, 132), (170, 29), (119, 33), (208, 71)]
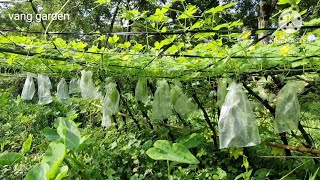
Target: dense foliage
[(165, 81)]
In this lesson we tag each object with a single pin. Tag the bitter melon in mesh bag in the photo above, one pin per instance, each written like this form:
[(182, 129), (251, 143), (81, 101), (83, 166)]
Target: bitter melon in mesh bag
[(288, 108), (110, 104), (161, 105), (62, 90), (181, 103), (87, 88), (74, 86), (44, 86), (28, 88), (237, 124), (141, 91)]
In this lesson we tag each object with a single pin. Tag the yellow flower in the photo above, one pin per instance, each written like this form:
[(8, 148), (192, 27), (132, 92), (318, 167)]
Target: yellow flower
[(246, 35), (252, 48), (126, 57), (284, 50)]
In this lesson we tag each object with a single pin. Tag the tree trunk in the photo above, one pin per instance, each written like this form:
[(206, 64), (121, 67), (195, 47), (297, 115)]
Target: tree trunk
[(266, 7)]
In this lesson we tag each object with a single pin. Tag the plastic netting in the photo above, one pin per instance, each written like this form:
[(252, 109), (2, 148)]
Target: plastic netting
[(87, 88), (161, 105), (62, 90), (141, 91), (98, 95), (181, 103), (110, 104), (222, 91), (74, 86), (44, 86), (237, 124), (288, 108), (28, 88)]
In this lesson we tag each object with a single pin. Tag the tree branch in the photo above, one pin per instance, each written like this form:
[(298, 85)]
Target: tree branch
[(293, 148), (207, 119)]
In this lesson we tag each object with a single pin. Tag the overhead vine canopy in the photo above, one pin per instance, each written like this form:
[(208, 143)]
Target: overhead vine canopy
[(200, 47), (196, 73)]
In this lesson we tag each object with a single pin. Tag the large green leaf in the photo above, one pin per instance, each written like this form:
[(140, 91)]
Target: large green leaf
[(163, 150), (62, 172), (192, 141), (38, 172), (54, 157), (8, 158), (51, 134), (69, 132), (27, 145)]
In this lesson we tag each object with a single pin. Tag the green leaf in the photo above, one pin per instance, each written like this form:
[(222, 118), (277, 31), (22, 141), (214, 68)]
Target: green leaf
[(277, 151), (62, 172), (193, 140), (219, 8), (125, 45), (314, 175), (108, 2), (60, 43), (163, 150), (218, 27), (51, 134), (283, 2), (312, 22), (137, 47), (198, 24), (188, 13), (245, 175), (113, 39), (173, 49), (159, 15), (70, 134), (9, 158), (245, 162), (27, 145), (54, 157), (11, 59), (38, 172), (78, 45), (292, 2), (130, 14), (236, 152)]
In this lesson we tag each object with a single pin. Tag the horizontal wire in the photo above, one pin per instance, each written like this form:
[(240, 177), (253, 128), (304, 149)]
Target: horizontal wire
[(151, 32), (116, 74), (169, 55)]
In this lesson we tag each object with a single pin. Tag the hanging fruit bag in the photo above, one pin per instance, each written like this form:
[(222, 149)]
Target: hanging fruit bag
[(237, 124)]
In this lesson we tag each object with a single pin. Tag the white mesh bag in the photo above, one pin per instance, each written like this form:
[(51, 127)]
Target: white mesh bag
[(237, 124), (162, 105), (181, 103), (74, 86), (87, 88), (141, 91), (110, 104), (28, 88), (62, 90), (44, 86), (288, 108), (222, 91)]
